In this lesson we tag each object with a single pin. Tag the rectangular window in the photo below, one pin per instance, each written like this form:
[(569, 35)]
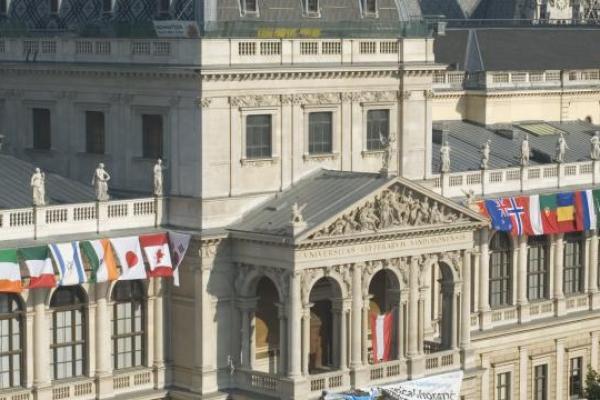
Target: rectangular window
[(250, 6), (94, 132), (540, 382), (320, 126), (378, 128), (41, 129), (371, 6), (500, 279), (258, 136), (575, 378), (107, 6), (54, 6), (3, 7), (152, 136), (537, 268), (573, 264), (503, 386), (163, 6), (312, 6)]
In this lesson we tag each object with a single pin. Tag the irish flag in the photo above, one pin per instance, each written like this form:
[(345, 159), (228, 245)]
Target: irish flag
[(39, 264), (102, 260), (156, 248), (381, 336), (130, 257), (10, 274)]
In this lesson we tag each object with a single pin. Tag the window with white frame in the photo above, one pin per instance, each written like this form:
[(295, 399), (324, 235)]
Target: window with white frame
[(378, 128), (370, 6), (500, 270), (320, 132), (311, 6), (537, 268), (68, 333), (576, 378), (128, 333), (259, 131), (573, 264), (11, 341), (503, 386), (249, 6), (540, 382)]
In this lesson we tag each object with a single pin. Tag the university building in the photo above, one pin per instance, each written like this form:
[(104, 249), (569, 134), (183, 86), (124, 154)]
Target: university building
[(303, 143)]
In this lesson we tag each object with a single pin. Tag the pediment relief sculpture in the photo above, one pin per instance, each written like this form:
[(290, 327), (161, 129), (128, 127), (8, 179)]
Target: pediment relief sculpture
[(395, 208)]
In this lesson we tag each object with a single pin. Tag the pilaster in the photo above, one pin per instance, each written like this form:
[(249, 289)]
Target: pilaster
[(523, 368), (592, 275), (560, 367), (294, 329), (465, 336), (559, 298), (484, 278), (522, 301), (103, 361), (41, 382), (159, 356), (416, 361)]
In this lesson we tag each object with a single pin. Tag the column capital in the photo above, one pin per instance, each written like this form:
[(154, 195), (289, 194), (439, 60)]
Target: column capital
[(246, 303)]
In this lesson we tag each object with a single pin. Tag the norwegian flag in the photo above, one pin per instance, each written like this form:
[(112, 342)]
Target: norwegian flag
[(158, 254), (517, 211)]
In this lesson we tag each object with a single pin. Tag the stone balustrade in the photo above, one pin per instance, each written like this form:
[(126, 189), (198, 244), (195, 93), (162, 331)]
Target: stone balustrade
[(41, 222), (515, 179)]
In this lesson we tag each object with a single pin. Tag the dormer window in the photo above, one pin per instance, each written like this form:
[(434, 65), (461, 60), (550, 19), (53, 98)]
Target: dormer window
[(54, 6), (311, 7), (107, 6), (249, 7), (370, 7), (163, 7)]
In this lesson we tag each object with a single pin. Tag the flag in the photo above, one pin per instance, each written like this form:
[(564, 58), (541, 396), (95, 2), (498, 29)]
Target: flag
[(70, 266), (497, 212), (156, 248), (585, 210), (548, 212), (536, 226), (179, 245), (129, 254), (102, 260), (381, 336), (596, 199), (518, 217), (10, 273), (39, 264), (565, 212)]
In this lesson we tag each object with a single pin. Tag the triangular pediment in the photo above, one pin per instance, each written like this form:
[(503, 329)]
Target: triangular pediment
[(400, 205)]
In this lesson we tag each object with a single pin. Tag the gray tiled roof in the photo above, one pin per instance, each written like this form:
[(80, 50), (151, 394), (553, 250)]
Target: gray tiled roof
[(523, 49), (325, 194), (465, 140), (15, 192)]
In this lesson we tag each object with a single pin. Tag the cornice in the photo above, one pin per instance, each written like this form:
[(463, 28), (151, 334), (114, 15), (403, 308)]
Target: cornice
[(533, 93), (224, 75), (115, 71)]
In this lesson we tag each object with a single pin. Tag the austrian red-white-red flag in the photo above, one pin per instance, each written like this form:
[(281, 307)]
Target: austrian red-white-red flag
[(158, 254), (381, 336)]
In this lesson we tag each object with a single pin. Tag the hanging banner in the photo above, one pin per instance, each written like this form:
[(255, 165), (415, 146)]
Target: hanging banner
[(442, 387)]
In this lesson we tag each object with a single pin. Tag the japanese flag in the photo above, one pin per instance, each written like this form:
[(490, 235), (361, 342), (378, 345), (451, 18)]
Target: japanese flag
[(158, 254), (130, 257)]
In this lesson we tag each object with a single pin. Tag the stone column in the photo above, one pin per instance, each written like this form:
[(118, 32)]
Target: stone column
[(416, 366), (103, 342), (336, 312), (283, 348), (594, 337), (294, 328), (306, 337), (560, 359), (365, 329), (559, 297), (484, 280), (159, 356), (41, 347), (523, 368), (485, 377), (522, 301), (456, 300), (356, 360), (247, 307), (344, 337), (592, 275), (465, 320)]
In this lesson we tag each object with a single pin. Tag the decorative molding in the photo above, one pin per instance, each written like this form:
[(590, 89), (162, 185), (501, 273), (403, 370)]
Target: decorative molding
[(317, 158), (406, 95), (254, 101), (292, 75), (204, 102), (260, 162), (319, 98), (379, 96), (428, 94)]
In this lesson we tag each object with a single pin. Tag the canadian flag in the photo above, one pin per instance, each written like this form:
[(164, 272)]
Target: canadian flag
[(158, 254), (130, 257), (381, 336)]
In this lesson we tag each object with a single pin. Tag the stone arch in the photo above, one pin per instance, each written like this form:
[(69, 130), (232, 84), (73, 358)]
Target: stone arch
[(249, 277), (111, 287), (84, 289), (341, 275), (266, 325), (391, 266)]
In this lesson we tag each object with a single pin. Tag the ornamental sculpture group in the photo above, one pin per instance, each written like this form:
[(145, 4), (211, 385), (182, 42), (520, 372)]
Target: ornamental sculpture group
[(392, 208), (100, 181), (524, 152)]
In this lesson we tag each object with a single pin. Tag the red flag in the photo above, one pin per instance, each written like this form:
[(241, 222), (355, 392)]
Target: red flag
[(158, 254), (548, 212), (579, 211), (381, 336)]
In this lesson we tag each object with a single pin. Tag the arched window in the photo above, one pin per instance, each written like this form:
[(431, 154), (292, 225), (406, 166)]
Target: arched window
[(500, 270), (68, 333), (11, 341), (128, 334), (537, 268), (573, 263)]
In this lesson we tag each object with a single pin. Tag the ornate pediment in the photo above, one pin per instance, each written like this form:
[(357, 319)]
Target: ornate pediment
[(396, 207)]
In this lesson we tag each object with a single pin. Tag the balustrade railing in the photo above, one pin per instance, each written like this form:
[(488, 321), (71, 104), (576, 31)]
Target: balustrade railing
[(40, 222)]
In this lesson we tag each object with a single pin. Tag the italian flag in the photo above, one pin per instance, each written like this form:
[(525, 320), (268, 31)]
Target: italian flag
[(381, 336), (39, 264), (158, 254), (102, 260), (10, 273)]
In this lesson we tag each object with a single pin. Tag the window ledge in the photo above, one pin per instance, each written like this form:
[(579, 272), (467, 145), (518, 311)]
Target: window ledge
[(372, 153), (259, 162), (147, 160), (321, 157), (93, 155), (40, 151)]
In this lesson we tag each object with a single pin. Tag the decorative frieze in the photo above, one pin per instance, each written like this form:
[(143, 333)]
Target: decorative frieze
[(319, 98), (254, 101), (378, 96)]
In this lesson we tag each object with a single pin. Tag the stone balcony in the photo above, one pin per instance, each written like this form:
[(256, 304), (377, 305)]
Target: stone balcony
[(40, 222)]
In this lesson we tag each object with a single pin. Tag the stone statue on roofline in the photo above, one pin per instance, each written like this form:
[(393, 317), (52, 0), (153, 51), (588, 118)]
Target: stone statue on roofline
[(561, 149), (445, 157), (595, 146), (485, 155), (100, 183), (525, 152), (38, 187), (158, 178)]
